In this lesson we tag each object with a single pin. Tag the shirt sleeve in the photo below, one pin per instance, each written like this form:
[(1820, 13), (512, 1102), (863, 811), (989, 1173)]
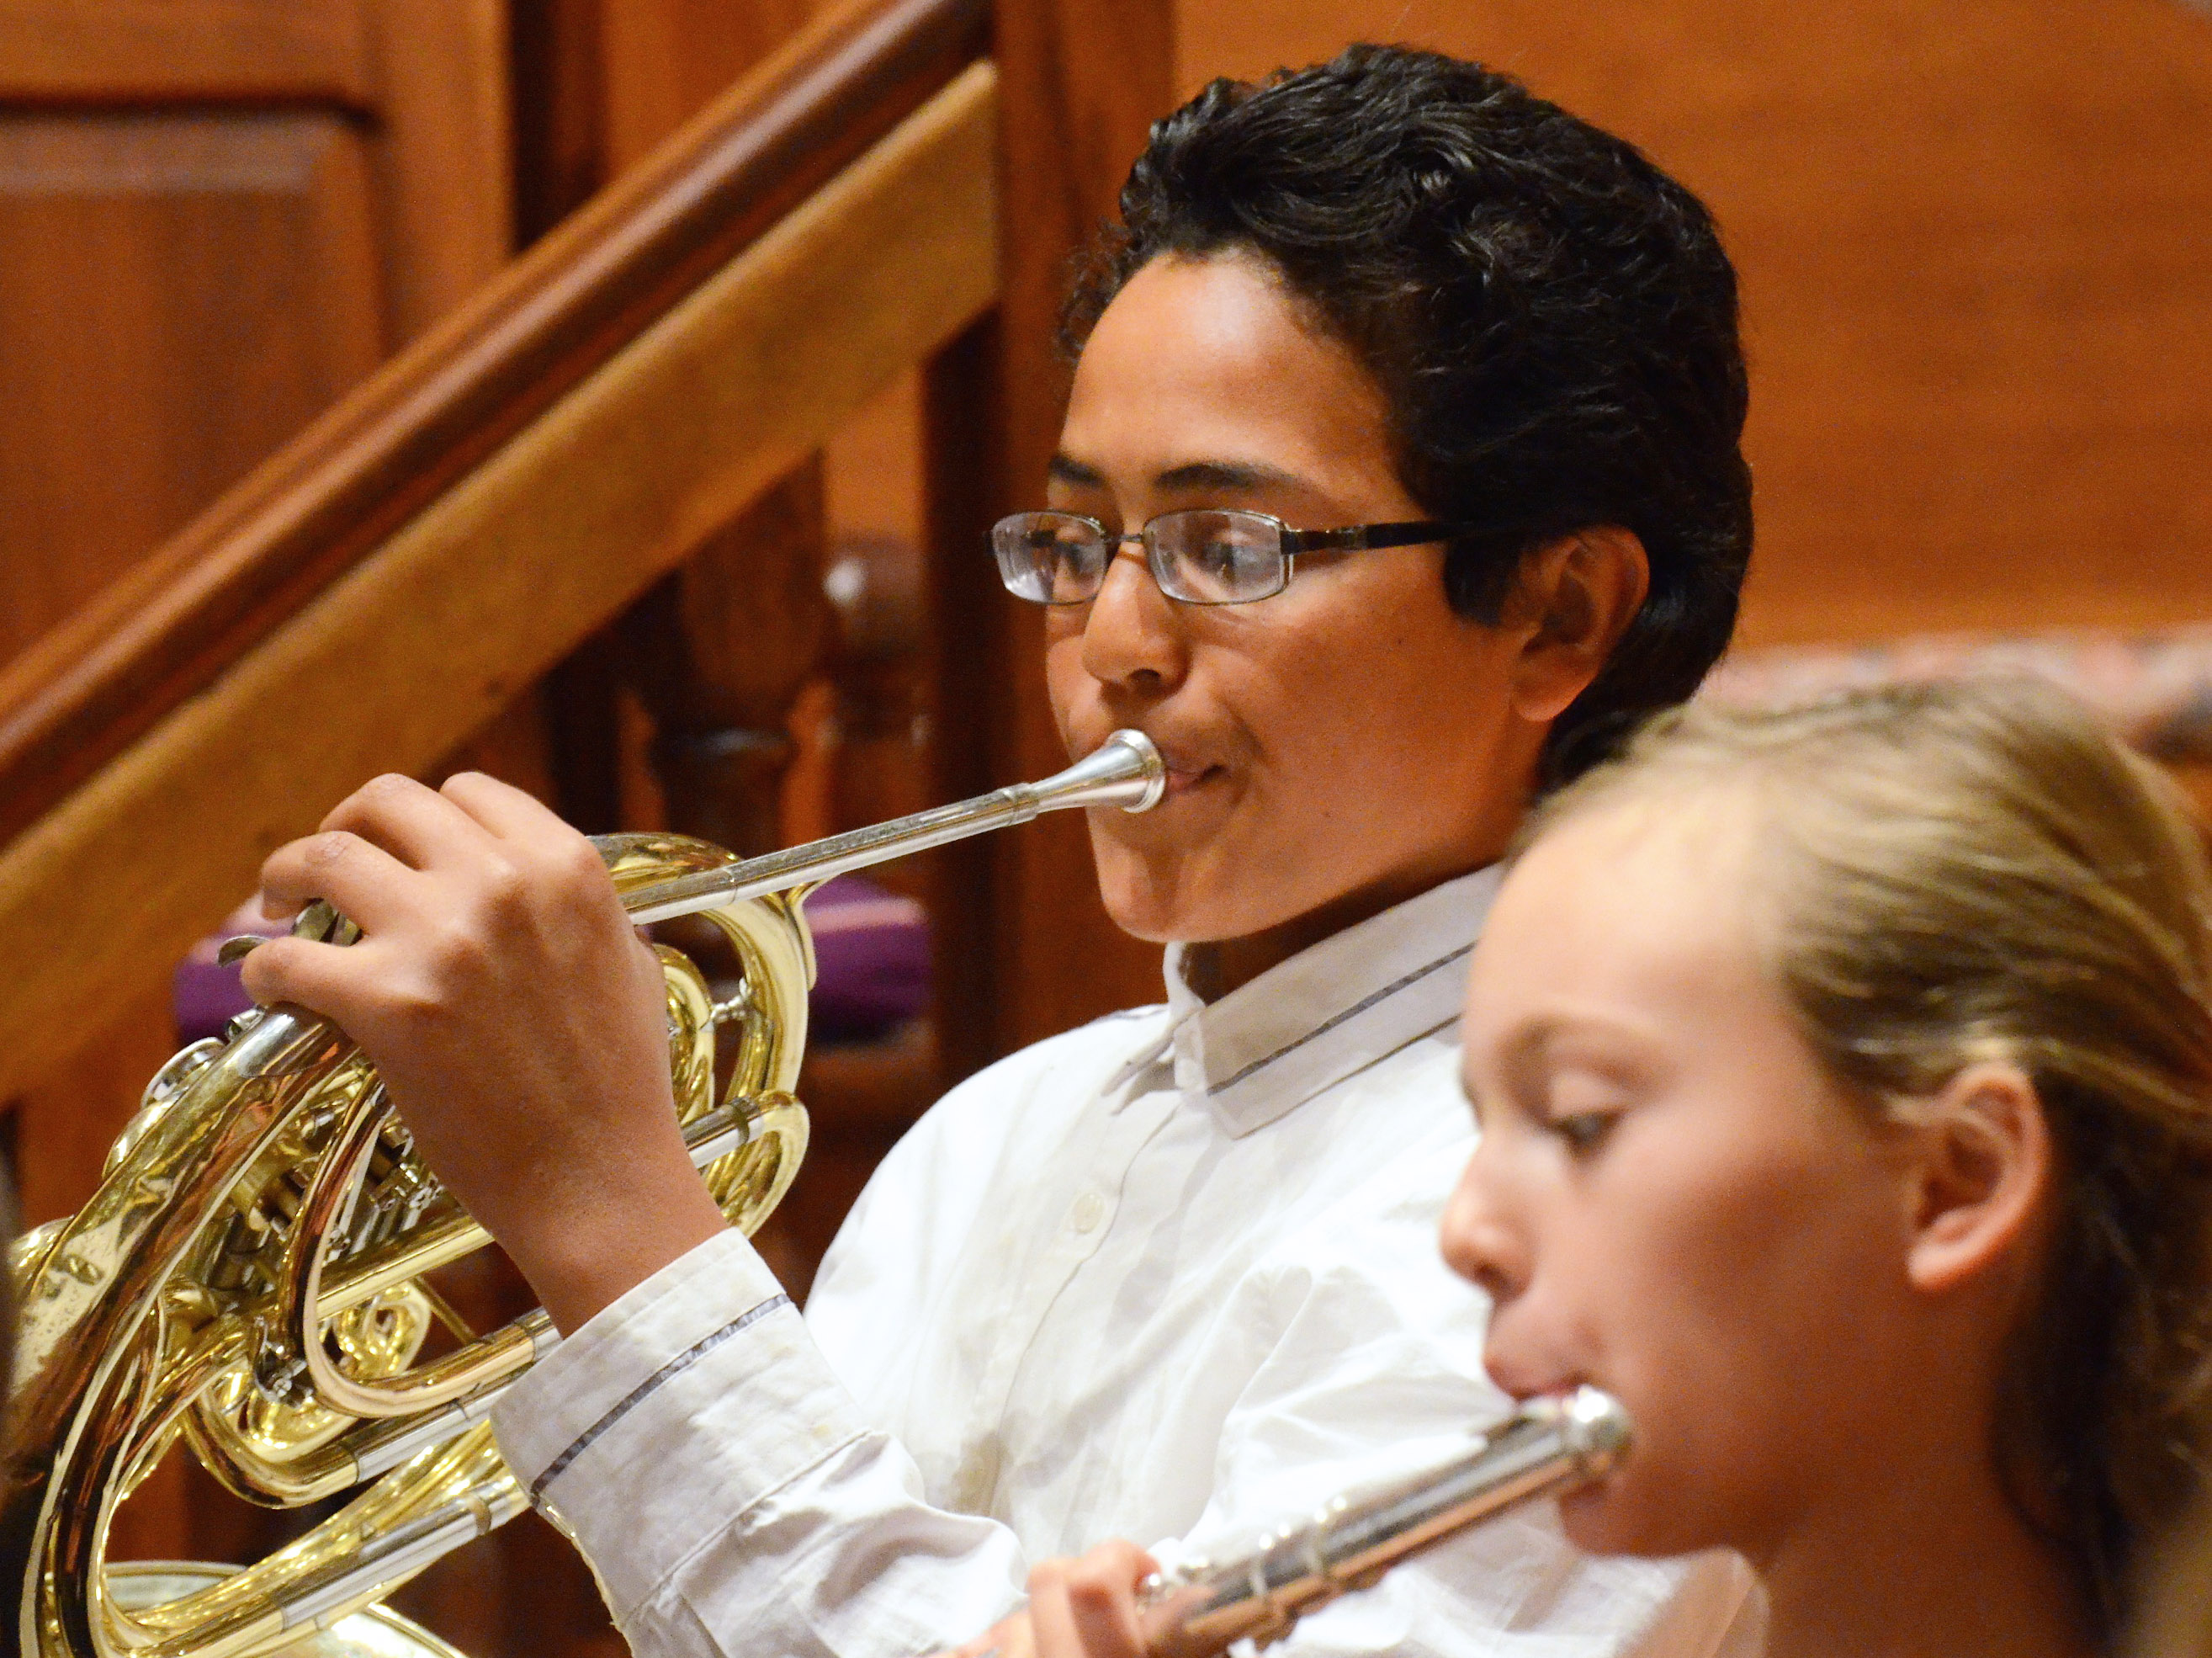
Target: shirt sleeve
[(694, 1444)]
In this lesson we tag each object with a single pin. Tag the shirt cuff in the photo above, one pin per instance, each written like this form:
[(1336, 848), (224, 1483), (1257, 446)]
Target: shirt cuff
[(676, 1409)]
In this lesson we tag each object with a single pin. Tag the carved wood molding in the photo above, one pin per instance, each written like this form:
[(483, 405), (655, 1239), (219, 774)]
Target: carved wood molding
[(132, 49), (174, 624)]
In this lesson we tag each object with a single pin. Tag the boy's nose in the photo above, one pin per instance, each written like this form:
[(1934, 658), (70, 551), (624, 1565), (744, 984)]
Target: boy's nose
[(1133, 636)]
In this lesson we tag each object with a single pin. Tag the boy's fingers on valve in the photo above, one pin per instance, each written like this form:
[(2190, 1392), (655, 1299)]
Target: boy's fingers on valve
[(504, 810), (412, 821), (369, 884), (317, 977)]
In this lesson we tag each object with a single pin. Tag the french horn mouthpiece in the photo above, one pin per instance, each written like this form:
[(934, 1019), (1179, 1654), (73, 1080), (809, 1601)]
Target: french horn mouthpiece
[(1125, 771)]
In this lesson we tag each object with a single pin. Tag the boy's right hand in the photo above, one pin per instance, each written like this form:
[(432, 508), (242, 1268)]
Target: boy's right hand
[(517, 1019)]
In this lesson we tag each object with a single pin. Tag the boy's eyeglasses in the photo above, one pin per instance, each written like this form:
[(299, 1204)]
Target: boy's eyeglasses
[(1208, 556)]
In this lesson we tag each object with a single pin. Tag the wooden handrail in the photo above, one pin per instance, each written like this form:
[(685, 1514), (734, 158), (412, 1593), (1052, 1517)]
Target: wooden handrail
[(554, 531), (178, 619)]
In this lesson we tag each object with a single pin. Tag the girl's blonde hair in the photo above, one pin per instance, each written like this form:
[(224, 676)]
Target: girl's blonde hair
[(1968, 871)]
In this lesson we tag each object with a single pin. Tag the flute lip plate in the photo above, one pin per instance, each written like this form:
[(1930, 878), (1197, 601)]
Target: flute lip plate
[(1598, 1426)]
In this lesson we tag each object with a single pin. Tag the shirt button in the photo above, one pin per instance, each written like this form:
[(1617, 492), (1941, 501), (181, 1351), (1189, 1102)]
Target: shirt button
[(1090, 1210)]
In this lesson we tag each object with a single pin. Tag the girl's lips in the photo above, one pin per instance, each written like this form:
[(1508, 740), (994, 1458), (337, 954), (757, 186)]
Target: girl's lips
[(1527, 1381)]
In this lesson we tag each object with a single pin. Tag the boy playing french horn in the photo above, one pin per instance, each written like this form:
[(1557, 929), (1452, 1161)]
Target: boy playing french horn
[(1402, 462)]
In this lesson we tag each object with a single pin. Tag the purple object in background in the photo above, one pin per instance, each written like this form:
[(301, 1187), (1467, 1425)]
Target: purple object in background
[(871, 950), (872, 960), (206, 995)]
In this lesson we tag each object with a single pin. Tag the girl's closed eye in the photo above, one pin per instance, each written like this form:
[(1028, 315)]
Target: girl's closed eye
[(1585, 1131), (1581, 1110)]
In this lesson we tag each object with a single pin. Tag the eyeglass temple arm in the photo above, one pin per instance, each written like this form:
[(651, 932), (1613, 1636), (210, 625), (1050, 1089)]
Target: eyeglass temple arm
[(1360, 537)]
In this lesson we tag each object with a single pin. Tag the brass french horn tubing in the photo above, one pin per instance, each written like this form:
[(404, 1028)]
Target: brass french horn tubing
[(250, 1274), (1548, 1447)]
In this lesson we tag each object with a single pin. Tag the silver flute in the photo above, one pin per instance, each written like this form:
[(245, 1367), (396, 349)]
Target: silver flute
[(1548, 1447)]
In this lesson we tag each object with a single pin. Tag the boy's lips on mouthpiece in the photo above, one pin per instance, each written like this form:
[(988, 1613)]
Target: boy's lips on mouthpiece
[(1184, 770), (1183, 779)]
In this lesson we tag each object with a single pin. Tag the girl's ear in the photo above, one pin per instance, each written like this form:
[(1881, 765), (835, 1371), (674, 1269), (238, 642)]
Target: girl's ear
[(1985, 1161), (1574, 599)]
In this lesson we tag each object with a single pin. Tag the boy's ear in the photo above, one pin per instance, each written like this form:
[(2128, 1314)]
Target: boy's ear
[(1574, 598), (1983, 1160)]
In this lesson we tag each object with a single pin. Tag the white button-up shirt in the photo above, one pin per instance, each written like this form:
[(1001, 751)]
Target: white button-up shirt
[(1171, 1276)]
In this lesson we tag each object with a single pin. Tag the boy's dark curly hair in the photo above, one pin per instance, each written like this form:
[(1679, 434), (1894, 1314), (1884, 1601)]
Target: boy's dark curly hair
[(1552, 320)]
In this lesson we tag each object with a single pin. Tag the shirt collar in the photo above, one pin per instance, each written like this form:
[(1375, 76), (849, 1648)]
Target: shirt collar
[(1308, 1023)]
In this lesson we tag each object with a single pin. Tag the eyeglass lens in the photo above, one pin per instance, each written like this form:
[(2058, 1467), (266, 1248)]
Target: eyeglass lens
[(1050, 557), (1204, 556)]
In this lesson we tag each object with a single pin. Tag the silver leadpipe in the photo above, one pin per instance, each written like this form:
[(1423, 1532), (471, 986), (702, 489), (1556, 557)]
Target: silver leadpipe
[(1125, 771), (1547, 1447)]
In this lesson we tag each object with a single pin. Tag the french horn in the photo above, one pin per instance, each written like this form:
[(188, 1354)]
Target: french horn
[(252, 1275)]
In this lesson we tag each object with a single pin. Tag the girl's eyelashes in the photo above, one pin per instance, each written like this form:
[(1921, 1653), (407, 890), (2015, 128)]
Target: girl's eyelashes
[(1579, 1107), (1584, 1131), (1574, 1099)]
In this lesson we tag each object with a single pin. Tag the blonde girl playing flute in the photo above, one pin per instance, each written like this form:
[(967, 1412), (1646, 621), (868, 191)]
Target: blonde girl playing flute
[(1844, 1080)]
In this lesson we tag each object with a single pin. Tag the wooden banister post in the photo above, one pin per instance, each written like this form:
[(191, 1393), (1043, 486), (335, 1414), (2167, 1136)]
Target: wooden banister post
[(971, 671), (720, 650), (1024, 947), (706, 647), (875, 680)]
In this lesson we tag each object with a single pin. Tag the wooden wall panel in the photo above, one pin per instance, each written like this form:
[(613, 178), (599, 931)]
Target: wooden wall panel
[(215, 217), (178, 293), (1974, 248), (127, 50), (441, 165)]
